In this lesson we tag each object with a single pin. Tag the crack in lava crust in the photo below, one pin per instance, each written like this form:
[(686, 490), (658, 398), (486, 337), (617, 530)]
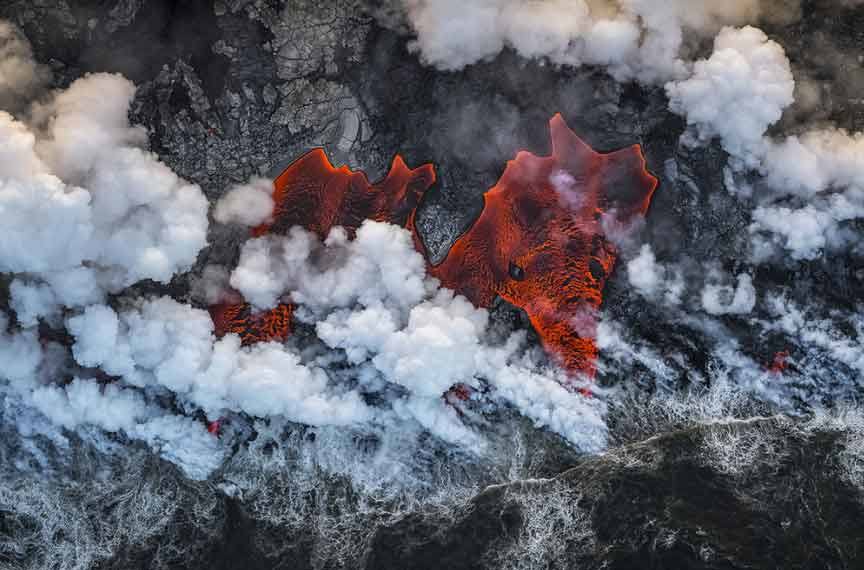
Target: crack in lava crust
[(543, 242)]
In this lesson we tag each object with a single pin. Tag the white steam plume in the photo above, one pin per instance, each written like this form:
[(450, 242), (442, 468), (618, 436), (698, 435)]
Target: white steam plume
[(249, 204), (163, 343), (734, 95), (86, 211), (400, 334), (814, 181), (654, 280), (380, 263), (109, 213), (823, 172), (371, 298), (20, 76), (30, 373), (737, 93), (722, 299), (635, 39)]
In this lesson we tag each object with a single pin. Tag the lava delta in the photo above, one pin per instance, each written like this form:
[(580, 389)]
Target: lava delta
[(544, 241)]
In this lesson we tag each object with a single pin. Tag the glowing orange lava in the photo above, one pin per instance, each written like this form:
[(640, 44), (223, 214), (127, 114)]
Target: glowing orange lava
[(780, 362), (312, 193), (262, 326), (544, 241), (214, 427)]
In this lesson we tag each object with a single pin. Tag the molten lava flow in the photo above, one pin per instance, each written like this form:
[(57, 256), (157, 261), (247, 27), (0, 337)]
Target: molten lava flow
[(312, 193), (263, 326), (214, 427), (542, 241), (780, 362)]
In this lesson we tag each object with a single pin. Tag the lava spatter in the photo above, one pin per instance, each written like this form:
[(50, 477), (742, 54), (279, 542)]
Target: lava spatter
[(543, 241), (315, 195)]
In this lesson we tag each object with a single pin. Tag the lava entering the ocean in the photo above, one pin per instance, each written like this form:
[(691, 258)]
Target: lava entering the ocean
[(542, 242)]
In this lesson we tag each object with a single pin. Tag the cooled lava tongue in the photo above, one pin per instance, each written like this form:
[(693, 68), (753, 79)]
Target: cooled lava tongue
[(543, 242)]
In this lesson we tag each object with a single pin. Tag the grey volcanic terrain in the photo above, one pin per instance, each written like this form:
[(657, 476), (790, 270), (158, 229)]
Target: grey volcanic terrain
[(729, 378)]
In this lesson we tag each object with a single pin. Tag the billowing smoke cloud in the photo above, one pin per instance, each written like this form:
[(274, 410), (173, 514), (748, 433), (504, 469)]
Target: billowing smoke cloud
[(248, 204), (31, 372), (109, 213), (379, 264), (737, 93), (20, 76), (88, 211), (653, 280), (114, 409), (114, 215), (371, 298), (635, 39), (387, 342), (722, 299), (400, 335), (164, 343), (821, 173), (734, 95)]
